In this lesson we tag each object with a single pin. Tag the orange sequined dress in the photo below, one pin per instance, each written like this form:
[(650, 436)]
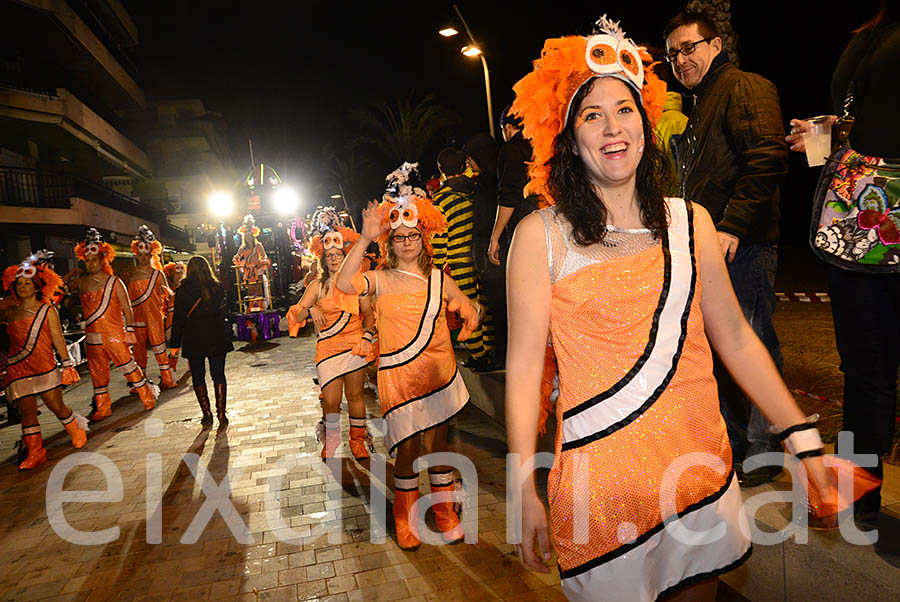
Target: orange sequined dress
[(641, 442), (148, 301), (335, 344), (418, 382), (32, 366), (104, 321)]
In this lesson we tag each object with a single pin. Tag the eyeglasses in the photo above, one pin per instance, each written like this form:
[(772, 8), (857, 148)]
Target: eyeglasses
[(334, 255), (686, 50), (411, 237)]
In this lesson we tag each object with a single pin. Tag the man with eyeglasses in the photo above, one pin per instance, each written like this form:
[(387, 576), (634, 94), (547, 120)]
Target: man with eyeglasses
[(732, 159)]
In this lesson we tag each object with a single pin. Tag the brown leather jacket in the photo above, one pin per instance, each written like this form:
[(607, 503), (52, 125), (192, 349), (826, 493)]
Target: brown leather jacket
[(732, 156)]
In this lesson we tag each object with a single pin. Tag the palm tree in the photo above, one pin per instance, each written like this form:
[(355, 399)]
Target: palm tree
[(402, 130), (348, 172), (720, 11)]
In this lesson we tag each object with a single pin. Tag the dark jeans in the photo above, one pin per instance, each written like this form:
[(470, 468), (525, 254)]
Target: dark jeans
[(866, 310), (493, 285), (753, 277), (216, 370)]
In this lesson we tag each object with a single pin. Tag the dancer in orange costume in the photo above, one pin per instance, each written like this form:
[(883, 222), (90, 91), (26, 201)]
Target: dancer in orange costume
[(148, 289), (644, 503), (253, 261), (419, 385), (34, 332), (104, 303), (345, 339), (174, 272)]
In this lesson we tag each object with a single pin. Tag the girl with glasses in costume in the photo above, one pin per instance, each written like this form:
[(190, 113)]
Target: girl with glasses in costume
[(627, 285), (344, 345), (419, 386), (34, 332)]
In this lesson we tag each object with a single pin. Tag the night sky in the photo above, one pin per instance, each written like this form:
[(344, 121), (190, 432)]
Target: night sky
[(287, 75)]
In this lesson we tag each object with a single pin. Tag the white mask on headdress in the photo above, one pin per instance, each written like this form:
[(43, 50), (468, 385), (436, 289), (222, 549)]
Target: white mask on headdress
[(404, 213), (26, 270), (333, 240)]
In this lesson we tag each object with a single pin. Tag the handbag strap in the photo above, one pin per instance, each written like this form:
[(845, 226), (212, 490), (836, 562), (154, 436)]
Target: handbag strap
[(874, 38), (191, 310)]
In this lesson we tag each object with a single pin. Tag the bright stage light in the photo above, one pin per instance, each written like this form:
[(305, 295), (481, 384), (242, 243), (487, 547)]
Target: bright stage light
[(286, 201), (220, 204), (448, 32), (470, 50)]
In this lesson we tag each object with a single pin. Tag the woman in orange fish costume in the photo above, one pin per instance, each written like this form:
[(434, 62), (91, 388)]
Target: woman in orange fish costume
[(109, 325), (148, 289), (345, 339), (627, 284), (34, 332), (419, 385)]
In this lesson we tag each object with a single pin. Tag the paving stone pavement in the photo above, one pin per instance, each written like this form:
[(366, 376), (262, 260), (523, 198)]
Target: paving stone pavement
[(273, 410), (286, 511)]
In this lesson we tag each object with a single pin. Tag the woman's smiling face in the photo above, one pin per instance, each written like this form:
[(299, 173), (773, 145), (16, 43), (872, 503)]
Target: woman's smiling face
[(609, 134)]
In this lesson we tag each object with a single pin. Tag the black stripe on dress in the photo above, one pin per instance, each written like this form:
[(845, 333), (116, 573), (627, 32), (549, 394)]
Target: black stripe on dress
[(644, 537), (665, 383)]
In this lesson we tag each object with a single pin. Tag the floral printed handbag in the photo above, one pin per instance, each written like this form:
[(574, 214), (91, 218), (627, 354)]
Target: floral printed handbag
[(856, 214)]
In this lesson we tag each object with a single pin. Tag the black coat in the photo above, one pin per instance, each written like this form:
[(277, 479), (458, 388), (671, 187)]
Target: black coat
[(205, 333), (732, 157)]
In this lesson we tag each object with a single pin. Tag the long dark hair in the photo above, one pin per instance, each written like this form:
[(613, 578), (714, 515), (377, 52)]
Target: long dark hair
[(581, 205), (198, 271)]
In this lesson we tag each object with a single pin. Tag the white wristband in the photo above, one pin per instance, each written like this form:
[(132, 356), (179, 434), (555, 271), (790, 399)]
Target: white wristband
[(804, 441)]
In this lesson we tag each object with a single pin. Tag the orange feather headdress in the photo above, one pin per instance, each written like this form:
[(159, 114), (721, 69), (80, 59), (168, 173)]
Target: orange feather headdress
[(544, 96), (171, 268), (405, 205), (45, 279), (330, 233), (93, 245), (249, 225), (145, 242)]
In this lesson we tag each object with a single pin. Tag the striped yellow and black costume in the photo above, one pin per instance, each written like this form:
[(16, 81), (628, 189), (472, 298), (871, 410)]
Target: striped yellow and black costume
[(454, 249)]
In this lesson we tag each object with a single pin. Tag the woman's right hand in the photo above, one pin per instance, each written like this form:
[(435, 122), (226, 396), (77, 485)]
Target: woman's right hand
[(798, 128), (534, 526), (372, 226), (318, 318)]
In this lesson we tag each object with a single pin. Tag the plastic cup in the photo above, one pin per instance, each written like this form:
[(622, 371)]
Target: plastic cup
[(817, 140)]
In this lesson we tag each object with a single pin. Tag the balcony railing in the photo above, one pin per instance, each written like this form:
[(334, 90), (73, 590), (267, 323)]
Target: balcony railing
[(23, 187)]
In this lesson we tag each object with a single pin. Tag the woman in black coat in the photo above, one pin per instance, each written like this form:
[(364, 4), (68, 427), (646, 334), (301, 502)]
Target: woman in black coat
[(200, 329)]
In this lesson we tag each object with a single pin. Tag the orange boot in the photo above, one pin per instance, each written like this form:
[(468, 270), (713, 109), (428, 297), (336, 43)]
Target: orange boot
[(444, 513), (102, 406), (37, 455), (406, 511), (358, 438), (165, 378), (148, 392), (329, 434), (75, 430)]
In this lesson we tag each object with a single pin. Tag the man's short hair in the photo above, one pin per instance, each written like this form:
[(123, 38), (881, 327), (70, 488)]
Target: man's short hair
[(705, 24), (451, 161)]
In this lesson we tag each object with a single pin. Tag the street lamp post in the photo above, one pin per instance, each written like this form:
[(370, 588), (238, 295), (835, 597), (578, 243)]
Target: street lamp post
[(475, 50)]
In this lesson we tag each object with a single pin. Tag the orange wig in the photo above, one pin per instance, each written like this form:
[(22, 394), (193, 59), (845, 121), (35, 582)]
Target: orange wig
[(172, 267), (94, 245), (341, 237), (413, 212), (45, 279)]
